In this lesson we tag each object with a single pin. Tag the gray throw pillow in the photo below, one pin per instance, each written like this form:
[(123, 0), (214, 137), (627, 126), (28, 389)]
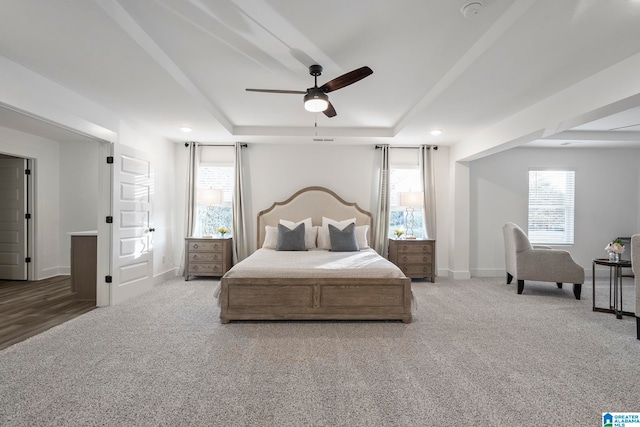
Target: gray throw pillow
[(344, 240), (291, 240)]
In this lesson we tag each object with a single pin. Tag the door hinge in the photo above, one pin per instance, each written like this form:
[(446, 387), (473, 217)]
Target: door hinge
[(27, 259), (108, 279), (27, 216), (27, 171), (109, 220), (109, 159)]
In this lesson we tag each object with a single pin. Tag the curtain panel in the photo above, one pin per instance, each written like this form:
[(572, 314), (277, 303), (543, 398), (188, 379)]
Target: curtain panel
[(191, 195), (240, 236), (429, 188), (381, 239)]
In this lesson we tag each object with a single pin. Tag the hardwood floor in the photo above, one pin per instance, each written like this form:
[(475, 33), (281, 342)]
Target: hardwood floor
[(29, 308)]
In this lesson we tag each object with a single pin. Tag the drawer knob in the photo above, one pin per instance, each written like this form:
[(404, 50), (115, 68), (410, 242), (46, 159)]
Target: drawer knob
[(195, 256), (195, 246), (404, 258)]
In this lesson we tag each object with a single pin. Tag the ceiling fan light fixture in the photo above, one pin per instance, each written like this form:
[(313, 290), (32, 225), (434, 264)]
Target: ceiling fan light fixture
[(316, 101)]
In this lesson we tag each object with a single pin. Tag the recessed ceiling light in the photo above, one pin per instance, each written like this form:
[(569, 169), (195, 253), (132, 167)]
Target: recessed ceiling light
[(436, 132), (186, 129)]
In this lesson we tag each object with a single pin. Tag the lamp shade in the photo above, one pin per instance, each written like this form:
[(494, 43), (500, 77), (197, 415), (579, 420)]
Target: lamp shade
[(412, 198), (209, 196)]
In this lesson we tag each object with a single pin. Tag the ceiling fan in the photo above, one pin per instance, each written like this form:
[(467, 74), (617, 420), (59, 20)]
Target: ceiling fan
[(315, 98)]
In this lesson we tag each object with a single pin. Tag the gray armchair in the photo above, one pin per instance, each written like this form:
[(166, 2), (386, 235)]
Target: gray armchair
[(635, 266), (526, 262)]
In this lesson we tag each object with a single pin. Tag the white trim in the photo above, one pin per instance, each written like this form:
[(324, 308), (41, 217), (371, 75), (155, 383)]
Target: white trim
[(458, 275)]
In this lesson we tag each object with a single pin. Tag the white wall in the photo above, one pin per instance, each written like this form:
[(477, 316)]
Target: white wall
[(606, 202), (78, 193), (275, 172)]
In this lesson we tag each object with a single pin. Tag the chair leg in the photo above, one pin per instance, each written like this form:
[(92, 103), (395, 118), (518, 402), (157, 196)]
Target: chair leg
[(559, 285), (509, 278), (520, 286), (577, 289)]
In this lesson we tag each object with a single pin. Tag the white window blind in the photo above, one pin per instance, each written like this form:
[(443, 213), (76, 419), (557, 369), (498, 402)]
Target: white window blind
[(551, 206)]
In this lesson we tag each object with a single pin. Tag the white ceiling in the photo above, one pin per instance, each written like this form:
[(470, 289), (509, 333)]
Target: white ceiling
[(164, 64)]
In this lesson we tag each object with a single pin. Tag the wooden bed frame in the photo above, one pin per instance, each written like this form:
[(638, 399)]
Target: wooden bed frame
[(314, 298)]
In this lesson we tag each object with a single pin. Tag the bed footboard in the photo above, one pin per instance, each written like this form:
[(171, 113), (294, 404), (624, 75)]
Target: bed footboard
[(315, 298)]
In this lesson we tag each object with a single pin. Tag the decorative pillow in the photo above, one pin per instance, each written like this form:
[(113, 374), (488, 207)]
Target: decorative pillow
[(343, 240), (270, 237), (310, 232), (324, 240), (291, 240)]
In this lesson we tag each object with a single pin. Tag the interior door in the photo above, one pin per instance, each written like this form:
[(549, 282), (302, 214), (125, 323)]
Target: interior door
[(132, 271), (13, 224)]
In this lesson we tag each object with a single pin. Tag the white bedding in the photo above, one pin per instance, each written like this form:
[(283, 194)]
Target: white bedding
[(269, 263)]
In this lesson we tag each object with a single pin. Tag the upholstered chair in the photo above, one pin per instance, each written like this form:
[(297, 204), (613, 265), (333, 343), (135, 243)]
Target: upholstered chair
[(635, 265), (541, 263)]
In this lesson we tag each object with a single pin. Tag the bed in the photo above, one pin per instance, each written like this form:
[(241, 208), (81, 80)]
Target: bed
[(314, 284)]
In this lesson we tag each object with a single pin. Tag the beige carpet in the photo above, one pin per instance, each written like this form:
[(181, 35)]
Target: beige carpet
[(476, 354)]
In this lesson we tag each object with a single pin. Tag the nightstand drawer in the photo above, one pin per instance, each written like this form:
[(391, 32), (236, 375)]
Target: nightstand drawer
[(209, 268), (414, 259), (412, 248), (205, 256), (417, 270), (205, 246)]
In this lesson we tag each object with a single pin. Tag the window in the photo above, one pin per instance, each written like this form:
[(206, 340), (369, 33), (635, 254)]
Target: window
[(210, 218), (406, 179), (551, 206)]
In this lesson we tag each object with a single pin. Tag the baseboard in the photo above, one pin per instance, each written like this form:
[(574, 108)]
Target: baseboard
[(459, 275), (164, 276), (488, 272), (52, 272)]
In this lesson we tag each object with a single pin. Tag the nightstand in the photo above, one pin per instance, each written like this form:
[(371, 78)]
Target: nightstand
[(415, 257), (206, 257)]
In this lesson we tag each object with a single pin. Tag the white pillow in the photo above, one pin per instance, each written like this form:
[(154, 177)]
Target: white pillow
[(291, 225), (270, 237), (324, 240), (361, 235), (310, 232), (338, 224)]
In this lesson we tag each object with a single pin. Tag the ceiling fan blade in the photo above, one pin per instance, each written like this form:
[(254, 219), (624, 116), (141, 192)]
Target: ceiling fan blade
[(330, 111), (346, 79), (297, 92)]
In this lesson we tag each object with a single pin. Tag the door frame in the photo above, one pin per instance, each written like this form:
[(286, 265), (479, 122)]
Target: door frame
[(105, 189)]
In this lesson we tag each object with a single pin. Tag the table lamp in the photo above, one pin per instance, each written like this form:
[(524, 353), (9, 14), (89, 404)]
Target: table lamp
[(410, 200)]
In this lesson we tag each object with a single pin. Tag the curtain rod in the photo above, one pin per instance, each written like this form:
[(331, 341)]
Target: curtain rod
[(186, 144), (435, 147)]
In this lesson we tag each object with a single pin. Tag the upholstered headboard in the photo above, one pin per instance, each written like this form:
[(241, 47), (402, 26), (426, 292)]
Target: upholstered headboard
[(314, 202)]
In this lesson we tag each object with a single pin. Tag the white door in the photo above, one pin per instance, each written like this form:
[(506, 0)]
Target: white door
[(13, 224), (132, 237)]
